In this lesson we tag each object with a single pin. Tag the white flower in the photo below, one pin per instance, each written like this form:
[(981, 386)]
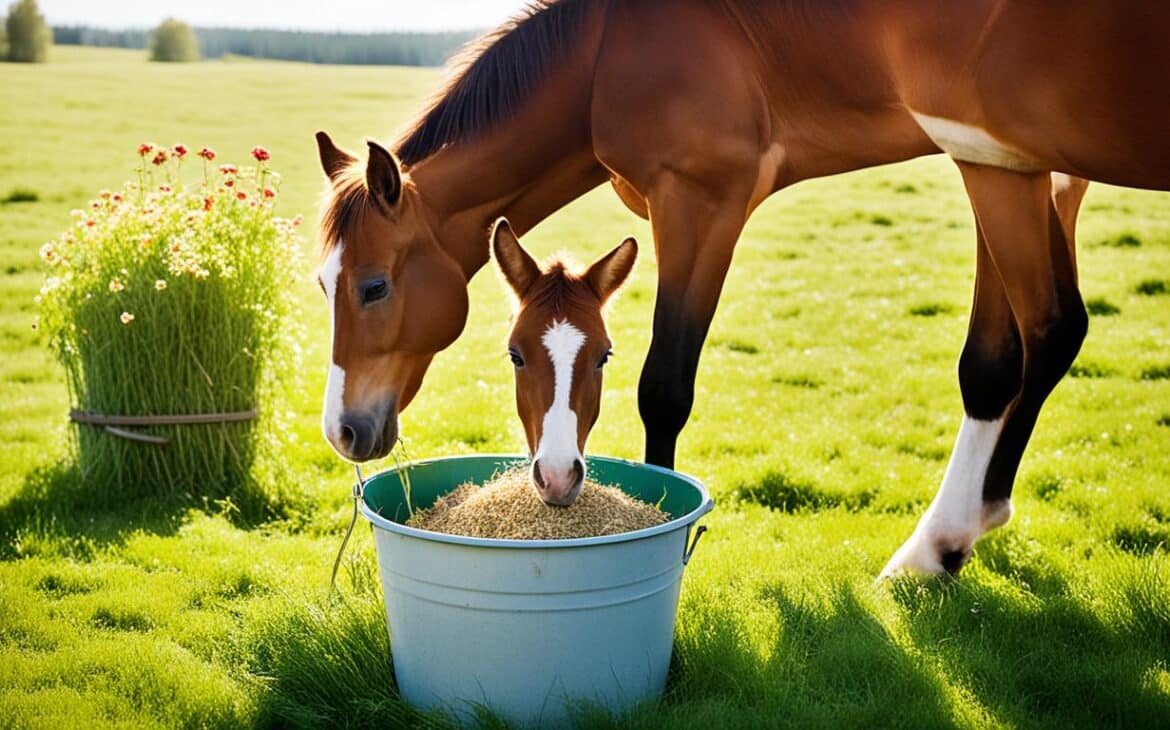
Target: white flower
[(126, 318)]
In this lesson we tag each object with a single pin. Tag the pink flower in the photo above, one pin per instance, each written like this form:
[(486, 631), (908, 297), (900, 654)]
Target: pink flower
[(144, 149), (228, 169), (260, 153), (228, 183), (208, 202), (160, 157), (90, 222), (241, 195), (269, 193), (207, 153), (179, 151), (165, 188)]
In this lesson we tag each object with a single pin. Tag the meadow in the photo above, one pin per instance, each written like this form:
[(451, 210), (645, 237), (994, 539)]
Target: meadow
[(826, 407)]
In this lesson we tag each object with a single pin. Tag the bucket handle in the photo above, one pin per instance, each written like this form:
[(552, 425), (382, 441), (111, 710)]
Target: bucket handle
[(689, 551), (358, 490)]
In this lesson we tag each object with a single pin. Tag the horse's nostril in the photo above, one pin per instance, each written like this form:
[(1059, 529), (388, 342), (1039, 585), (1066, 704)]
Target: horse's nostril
[(348, 436), (537, 477), (578, 471)]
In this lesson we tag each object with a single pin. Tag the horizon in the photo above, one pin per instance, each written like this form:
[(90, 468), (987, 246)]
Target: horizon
[(360, 16)]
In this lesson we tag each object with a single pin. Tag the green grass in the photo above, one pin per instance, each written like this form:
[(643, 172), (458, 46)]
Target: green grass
[(822, 425)]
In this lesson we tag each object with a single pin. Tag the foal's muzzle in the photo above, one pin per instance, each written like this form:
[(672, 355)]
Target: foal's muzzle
[(558, 487)]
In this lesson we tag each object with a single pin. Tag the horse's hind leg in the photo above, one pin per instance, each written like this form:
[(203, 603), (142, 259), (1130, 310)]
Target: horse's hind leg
[(1027, 325)]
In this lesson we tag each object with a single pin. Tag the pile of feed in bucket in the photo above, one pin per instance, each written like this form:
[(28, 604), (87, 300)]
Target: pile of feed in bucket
[(507, 507)]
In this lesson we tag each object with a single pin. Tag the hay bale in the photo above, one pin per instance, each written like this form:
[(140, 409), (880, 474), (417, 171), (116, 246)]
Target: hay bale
[(507, 507)]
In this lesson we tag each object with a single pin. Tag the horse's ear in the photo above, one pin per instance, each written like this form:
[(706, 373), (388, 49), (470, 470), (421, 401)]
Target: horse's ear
[(607, 274), (333, 159), (514, 263), (382, 176)]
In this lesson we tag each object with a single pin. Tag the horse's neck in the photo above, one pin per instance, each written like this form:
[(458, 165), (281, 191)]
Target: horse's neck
[(525, 169), (525, 178)]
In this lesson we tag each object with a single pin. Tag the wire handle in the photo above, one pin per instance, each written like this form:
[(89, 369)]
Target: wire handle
[(688, 552), (358, 491)]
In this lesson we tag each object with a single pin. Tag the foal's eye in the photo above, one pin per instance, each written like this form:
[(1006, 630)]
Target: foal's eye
[(604, 359), (374, 290), (516, 359)]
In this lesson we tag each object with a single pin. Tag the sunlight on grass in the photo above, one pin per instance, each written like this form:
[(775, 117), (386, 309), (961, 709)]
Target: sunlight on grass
[(826, 406)]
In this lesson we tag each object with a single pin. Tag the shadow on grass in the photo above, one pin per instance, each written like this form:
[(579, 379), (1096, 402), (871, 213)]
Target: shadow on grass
[(1039, 656), (52, 514)]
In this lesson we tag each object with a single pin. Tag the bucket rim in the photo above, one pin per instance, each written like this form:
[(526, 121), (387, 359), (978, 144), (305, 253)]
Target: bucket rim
[(706, 504)]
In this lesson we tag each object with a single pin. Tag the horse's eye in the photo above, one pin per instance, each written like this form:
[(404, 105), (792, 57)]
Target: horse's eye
[(516, 359), (604, 359), (374, 290)]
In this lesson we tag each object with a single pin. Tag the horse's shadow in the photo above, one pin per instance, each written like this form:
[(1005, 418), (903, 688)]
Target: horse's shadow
[(1033, 652)]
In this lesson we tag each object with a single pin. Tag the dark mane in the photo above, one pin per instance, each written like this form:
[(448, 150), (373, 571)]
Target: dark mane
[(558, 289), (493, 76), (344, 207)]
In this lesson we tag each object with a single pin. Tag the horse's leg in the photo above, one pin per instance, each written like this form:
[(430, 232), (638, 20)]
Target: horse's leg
[(1027, 325), (695, 230)]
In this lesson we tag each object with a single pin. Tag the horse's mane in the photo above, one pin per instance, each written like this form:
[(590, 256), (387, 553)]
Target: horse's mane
[(493, 76)]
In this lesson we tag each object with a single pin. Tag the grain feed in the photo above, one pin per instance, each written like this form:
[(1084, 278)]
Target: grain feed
[(507, 507)]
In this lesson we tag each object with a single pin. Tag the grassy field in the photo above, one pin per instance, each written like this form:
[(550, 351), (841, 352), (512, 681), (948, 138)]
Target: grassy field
[(826, 407)]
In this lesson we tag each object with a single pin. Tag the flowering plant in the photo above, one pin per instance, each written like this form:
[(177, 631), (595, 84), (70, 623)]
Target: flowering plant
[(167, 299)]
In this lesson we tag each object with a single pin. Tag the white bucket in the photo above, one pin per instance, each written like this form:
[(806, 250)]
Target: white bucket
[(528, 628)]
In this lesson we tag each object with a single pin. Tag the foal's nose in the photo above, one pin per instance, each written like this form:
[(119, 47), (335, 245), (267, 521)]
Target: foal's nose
[(359, 436), (558, 486)]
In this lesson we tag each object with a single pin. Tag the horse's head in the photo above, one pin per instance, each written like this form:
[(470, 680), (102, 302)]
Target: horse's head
[(559, 346), (396, 298)]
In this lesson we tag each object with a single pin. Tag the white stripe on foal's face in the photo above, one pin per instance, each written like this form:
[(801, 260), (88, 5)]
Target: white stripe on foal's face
[(558, 437), (335, 386), (958, 515)]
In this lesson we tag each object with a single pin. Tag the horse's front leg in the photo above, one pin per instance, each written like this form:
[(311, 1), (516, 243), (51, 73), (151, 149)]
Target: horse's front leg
[(695, 230), (1027, 324)]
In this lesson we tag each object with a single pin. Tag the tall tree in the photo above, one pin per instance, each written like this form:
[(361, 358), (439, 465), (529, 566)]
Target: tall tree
[(29, 37), (173, 40)]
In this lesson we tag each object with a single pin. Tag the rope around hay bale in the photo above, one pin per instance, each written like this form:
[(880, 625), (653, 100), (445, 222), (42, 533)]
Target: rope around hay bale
[(111, 423)]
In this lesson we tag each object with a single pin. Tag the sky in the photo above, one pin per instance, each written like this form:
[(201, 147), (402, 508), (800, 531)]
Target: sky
[(321, 15)]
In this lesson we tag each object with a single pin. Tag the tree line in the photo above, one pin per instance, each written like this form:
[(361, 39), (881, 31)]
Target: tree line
[(398, 49)]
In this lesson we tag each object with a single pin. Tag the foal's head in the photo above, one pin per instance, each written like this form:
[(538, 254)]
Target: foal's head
[(559, 346)]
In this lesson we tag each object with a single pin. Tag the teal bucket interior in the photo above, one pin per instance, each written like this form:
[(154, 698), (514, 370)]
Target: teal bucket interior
[(386, 500)]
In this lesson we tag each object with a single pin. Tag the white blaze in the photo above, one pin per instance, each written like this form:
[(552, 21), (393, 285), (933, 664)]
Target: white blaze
[(335, 385), (958, 515), (558, 438)]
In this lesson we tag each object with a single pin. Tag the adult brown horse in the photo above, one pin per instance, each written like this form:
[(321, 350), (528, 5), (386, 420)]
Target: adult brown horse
[(696, 111)]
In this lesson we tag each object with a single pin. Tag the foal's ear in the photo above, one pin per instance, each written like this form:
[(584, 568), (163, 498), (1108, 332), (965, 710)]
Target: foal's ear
[(382, 176), (607, 273), (516, 266), (333, 159)]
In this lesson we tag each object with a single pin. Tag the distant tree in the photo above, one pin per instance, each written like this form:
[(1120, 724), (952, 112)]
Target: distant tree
[(173, 40), (27, 34)]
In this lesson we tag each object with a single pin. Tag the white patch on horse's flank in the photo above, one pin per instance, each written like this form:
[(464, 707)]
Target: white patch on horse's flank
[(769, 170), (558, 437), (973, 144), (1060, 182), (958, 515), (335, 385)]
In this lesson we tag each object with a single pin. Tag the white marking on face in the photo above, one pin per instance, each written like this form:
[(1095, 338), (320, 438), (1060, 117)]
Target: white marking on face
[(972, 144), (958, 516), (335, 385), (558, 438)]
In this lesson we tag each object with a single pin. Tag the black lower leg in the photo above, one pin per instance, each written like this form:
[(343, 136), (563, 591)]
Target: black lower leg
[(666, 390)]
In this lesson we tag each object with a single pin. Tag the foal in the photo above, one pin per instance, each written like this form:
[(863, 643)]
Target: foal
[(559, 347)]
